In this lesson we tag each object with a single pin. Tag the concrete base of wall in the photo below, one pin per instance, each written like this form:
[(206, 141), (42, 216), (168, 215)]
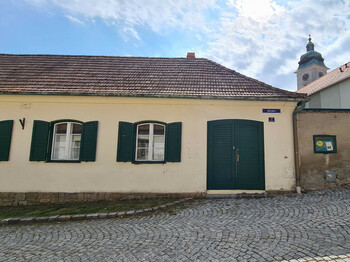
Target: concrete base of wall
[(36, 198), (279, 192), (315, 179)]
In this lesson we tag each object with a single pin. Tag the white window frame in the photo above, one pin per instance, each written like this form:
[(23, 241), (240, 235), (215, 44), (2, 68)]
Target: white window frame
[(150, 143), (68, 148)]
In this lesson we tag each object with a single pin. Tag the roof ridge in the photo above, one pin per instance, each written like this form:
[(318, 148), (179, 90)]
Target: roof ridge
[(106, 56)]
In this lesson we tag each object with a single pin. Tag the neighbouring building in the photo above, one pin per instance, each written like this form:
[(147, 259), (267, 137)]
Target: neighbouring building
[(78, 128), (323, 128), (332, 91)]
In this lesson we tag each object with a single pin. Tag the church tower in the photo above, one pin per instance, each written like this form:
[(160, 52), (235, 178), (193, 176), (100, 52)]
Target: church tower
[(311, 66)]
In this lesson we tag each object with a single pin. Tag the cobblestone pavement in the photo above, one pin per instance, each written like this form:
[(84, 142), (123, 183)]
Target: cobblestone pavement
[(307, 227)]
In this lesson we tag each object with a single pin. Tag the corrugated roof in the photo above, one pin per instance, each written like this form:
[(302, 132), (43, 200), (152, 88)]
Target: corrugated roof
[(332, 78), (130, 76)]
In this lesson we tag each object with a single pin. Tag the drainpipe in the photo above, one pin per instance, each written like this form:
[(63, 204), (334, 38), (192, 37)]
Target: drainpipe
[(300, 106)]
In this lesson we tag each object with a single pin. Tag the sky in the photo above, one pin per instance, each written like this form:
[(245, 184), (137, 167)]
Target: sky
[(263, 39)]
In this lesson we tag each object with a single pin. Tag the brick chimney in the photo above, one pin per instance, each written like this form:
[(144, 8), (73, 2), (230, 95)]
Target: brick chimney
[(191, 55)]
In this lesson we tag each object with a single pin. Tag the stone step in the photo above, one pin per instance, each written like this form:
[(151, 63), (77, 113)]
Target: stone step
[(240, 195)]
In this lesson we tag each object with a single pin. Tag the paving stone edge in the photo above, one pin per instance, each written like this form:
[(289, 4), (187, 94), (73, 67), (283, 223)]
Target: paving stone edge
[(63, 218)]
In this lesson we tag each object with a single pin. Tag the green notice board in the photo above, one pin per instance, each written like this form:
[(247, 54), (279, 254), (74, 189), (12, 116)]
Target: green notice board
[(325, 144)]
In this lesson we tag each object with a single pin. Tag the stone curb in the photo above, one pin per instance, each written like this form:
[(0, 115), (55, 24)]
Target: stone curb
[(64, 218), (338, 258)]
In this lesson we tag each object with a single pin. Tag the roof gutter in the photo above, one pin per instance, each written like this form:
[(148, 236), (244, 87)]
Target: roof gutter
[(267, 98), (300, 106)]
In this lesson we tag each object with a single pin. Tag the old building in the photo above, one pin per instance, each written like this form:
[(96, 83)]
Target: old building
[(75, 128), (323, 129), (331, 91)]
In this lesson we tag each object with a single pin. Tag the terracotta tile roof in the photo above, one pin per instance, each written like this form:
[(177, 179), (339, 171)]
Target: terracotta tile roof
[(332, 78), (130, 76)]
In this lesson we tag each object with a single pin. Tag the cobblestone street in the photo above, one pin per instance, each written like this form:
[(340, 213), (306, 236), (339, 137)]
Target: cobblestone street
[(309, 227)]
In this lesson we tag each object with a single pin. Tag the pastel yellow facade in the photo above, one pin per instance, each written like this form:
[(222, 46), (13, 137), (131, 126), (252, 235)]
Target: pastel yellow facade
[(106, 175)]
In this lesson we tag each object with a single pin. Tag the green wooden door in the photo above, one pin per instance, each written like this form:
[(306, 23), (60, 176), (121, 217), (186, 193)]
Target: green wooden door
[(235, 155), (221, 164)]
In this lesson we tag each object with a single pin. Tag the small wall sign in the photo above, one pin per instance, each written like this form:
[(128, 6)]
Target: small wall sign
[(325, 144), (273, 111), (331, 176)]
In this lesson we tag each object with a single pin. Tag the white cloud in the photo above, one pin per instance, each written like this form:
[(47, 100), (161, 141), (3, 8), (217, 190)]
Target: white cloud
[(263, 38), (260, 10), (159, 16), (131, 31), (338, 52), (75, 20)]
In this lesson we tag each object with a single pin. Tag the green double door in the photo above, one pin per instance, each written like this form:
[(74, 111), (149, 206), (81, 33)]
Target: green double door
[(235, 155)]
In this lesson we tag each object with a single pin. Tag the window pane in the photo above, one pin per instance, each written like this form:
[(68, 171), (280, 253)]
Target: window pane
[(61, 128), (60, 140), (158, 154), (75, 141), (59, 147), (158, 141), (58, 153), (74, 147), (143, 129), (142, 154), (158, 129), (142, 142), (76, 128), (75, 154)]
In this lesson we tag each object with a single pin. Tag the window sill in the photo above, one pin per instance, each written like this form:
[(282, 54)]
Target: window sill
[(148, 162), (63, 161)]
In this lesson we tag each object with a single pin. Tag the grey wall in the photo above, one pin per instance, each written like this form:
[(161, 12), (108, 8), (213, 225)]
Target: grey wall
[(336, 96)]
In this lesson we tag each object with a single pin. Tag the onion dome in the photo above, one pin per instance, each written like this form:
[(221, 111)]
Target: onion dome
[(311, 57)]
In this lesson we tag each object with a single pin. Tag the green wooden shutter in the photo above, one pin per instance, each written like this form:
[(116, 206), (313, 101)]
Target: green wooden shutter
[(5, 139), (88, 141), (40, 137), (173, 142), (125, 142)]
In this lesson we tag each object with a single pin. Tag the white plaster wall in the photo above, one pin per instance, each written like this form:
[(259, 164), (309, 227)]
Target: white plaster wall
[(106, 175)]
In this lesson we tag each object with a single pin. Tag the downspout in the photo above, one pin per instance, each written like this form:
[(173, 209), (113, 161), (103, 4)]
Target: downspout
[(300, 106)]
